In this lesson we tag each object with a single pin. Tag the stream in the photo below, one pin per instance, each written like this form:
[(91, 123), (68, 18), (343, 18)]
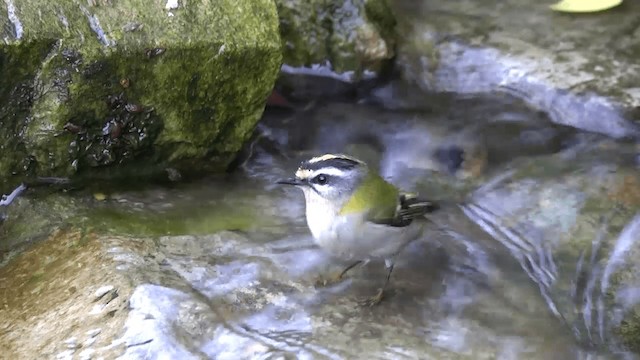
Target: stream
[(528, 257)]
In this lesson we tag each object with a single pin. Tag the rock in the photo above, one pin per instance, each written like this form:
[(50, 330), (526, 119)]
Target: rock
[(52, 286), (346, 37), (106, 89), (563, 65)]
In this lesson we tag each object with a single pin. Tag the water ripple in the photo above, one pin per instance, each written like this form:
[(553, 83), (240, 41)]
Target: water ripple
[(625, 241), (520, 249), (13, 17)]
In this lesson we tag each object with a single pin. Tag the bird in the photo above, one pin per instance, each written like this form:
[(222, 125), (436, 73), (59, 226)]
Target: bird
[(356, 215)]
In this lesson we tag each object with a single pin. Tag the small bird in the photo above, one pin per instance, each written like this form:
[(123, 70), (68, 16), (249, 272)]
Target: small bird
[(355, 215)]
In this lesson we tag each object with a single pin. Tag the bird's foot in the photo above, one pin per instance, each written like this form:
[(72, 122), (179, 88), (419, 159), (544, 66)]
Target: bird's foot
[(373, 300), (323, 281)]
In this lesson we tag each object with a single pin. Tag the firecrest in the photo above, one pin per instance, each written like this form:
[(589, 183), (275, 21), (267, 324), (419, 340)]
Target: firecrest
[(355, 215)]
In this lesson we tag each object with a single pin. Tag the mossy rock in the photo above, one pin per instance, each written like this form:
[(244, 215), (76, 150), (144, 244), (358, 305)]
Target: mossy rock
[(350, 35), (117, 89)]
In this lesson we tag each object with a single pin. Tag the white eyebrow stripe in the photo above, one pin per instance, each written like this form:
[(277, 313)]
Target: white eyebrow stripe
[(331, 171)]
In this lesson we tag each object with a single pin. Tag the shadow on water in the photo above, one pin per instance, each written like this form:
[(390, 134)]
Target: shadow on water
[(487, 282)]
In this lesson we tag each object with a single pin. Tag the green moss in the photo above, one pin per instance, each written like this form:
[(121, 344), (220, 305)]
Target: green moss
[(19, 65), (345, 34), (299, 45), (195, 84)]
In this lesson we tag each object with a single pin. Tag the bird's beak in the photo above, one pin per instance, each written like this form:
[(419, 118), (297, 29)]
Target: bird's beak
[(291, 181)]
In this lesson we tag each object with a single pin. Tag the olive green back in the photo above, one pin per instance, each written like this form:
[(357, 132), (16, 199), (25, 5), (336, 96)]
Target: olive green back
[(375, 196)]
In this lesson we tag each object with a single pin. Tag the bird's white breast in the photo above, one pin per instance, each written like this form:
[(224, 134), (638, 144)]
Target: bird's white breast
[(321, 215), (350, 236)]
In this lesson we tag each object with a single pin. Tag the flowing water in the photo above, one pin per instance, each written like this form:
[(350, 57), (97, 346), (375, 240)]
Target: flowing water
[(483, 283)]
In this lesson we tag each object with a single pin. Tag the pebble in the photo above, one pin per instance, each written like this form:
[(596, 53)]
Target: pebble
[(102, 291)]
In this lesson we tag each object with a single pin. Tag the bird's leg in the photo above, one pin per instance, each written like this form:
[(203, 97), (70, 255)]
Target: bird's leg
[(336, 279), (377, 298)]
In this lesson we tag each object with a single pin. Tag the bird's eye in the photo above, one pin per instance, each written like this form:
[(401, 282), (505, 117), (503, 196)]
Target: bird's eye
[(321, 179)]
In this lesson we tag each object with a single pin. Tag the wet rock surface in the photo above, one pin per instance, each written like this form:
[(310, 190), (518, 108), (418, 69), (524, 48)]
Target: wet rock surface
[(511, 270), (63, 298), (564, 64), (26, 221)]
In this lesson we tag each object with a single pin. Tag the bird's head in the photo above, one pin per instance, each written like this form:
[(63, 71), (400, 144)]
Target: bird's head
[(330, 177)]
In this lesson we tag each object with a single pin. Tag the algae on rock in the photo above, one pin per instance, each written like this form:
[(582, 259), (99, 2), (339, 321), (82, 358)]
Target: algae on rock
[(353, 35), (114, 89)]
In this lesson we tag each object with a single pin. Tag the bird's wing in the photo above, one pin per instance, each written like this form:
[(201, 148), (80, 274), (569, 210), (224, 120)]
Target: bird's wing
[(408, 207)]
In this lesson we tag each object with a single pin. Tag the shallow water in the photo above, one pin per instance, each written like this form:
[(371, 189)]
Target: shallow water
[(458, 293)]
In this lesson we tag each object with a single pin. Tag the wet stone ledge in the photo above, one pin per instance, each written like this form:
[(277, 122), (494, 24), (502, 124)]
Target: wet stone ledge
[(581, 69)]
